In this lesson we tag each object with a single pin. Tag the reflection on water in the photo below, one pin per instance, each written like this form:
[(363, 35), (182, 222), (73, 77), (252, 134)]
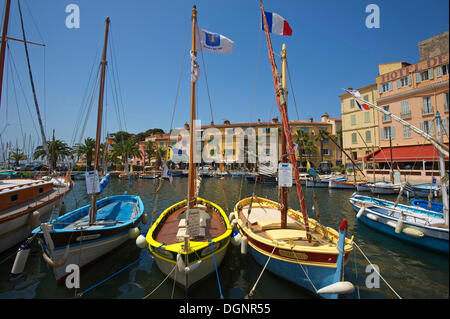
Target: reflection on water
[(411, 271)]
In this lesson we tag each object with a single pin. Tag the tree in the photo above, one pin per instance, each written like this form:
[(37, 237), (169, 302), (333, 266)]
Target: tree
[(88, 149), (149, 150), (323, 136), (58, 151), (126, 149), (305, 144), (160, 154), (17, 157)]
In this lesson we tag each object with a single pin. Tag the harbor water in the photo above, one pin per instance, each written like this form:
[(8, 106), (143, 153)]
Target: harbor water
[(411, 271)]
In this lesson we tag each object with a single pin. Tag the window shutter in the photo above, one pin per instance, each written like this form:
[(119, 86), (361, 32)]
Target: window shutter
[(424, 106), (418, 78), (409, 80), (389, 86), (431, 127), (392, 132), (422, 126), (380, 88), (439, 71), (398, 83), (382, 136), (430, 74)]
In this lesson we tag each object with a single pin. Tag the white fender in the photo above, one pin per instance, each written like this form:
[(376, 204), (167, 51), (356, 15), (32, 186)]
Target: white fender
[(192, 267), (391, 223), (372, 217), (360, 212), (413, 232), (35, 219), (341, 287), (233, 224), (21, 259), (133, 232), (399, 226), (236, 239), (141, 242), (180, 263), (244, 245), (231, 217)]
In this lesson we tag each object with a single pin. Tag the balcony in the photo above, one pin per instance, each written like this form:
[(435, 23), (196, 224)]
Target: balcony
[(405, 116), (428, 111)]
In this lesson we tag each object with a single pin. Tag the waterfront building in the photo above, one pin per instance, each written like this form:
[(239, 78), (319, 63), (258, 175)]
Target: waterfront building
[(414, 92), (360, 133)]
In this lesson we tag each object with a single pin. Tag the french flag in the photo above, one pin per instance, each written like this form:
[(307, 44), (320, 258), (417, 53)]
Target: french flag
[(363, 107), (276, 24)]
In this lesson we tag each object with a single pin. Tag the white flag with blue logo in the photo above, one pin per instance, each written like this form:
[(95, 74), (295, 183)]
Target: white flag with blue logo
[(214, 42)]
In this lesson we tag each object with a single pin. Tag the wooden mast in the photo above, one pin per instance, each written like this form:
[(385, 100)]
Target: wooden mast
[(3, 49), (191, 178), (93, 209), (284, 190), (284, 118)]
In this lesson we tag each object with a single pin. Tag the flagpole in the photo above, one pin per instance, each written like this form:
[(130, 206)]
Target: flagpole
[(191, 176)]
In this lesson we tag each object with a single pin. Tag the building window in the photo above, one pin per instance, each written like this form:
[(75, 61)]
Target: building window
[(441, 70), (368, 136), (427, 108), (366, 97), (406, 131), (424, 76), (387, 133), (386, 118), (354, 138), (404, 81), (385, 87), (367, 117), (406, 113), (326, 151), (427, 127), (352, 104), (444, 126), (446, 102), (353, 119), (355, 155)]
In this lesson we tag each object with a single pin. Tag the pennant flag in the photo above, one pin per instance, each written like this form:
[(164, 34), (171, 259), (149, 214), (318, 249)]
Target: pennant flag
[(169, 153), (195, 68), (166, 173), (363, 107), (214, 42), (276, 24)]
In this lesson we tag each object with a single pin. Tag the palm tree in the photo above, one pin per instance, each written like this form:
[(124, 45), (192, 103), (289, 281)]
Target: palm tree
[(88, 149), (149, 150), (160, 154), (58, 151), (126, 149), (323, 136), (17, 157)]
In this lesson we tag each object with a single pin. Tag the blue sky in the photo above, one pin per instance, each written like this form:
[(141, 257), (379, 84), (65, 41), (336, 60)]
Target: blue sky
[(330, 48)]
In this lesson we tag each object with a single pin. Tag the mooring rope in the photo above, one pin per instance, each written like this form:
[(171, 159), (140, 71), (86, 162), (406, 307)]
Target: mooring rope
[(306, 273), (374, 268), (217, 272), (168, 275), (264, 268)]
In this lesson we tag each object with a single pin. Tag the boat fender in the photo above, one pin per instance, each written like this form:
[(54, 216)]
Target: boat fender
[(391, 223), (58, 263), (233, 224), (372, 217), (141, 242), (399, 226), (236, 238), (180, 263), (192, 267), (413, 232), (231, 216), (21, 259), (244, 245), (341, 287), (360, 212), (145, 218), (35, 219), (133, 232)]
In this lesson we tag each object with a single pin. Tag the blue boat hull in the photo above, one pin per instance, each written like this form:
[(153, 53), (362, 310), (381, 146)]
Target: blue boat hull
[(320, 276), (436, 244)]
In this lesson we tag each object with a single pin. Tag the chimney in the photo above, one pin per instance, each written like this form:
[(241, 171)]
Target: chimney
[(311, 119), (259, 120), (275, 119), (226, 122), (325, 117)]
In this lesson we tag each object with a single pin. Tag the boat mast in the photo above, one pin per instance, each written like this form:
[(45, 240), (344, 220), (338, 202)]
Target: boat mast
[(191, 178), (41, 126), (3, 49), (93, 209), (442, 171), (284, 190), (281, 101)]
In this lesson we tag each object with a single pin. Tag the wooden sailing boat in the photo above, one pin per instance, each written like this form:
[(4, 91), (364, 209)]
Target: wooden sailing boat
[(24, 202), (189, 239), (87, 233), (300, 249)]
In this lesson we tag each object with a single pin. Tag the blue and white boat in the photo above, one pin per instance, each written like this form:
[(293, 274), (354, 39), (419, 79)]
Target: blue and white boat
[(434, 206), (416, 225), (323, 182), (424, 190), (72, 239)]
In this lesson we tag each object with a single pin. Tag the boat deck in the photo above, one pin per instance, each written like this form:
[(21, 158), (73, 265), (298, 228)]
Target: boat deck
[(266, 221), (214, 227)]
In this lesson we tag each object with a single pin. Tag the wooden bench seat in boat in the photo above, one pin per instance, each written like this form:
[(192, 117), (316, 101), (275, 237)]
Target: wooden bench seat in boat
[(286, 234), (276, 224)]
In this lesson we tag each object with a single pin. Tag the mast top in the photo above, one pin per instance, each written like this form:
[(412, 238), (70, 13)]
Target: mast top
[(108, 19), (194, 11)]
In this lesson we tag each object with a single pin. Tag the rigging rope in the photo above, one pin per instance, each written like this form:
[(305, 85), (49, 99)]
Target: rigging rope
[(168, 275), (217, 272)]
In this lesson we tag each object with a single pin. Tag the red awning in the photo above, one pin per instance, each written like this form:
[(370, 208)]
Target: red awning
[(405, 154)]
